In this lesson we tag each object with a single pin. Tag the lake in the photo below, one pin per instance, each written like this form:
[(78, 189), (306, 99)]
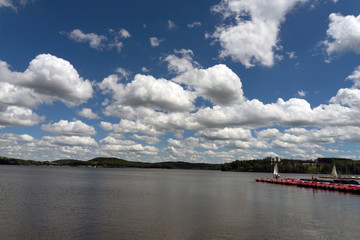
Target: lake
[(88, 203)]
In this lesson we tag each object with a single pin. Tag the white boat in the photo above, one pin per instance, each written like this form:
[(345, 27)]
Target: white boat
[(276, 174), (334, 172), (334, 175)]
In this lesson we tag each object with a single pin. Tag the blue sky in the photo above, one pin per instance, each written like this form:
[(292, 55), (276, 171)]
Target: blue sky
[(198, 81)]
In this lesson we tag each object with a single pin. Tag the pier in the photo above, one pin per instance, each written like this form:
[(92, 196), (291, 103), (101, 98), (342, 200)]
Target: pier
[(313, 184)]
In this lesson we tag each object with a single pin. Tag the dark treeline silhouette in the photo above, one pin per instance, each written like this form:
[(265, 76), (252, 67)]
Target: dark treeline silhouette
[(318, 166)]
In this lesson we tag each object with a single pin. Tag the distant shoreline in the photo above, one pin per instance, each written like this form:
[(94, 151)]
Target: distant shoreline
[(318, 166)]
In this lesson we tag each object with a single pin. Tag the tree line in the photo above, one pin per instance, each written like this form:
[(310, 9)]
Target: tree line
[(318, 166)]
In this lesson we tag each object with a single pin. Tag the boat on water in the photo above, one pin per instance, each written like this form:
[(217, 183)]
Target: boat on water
[(334, 175), (276, 174), (341, 185)]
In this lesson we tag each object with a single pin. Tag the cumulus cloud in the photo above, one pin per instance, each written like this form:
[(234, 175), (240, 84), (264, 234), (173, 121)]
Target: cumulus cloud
[(187, 144), (155, 42), (47, 148), (100, 42), (6, 3), (343, 34), (145, 70), (181, 64), (347, 96), (47, 78), (225, 134), (70, 140), (301, 93), (147, 90), (123, 33), (355, 77), (75, 128), (88, 113), (127, 126), (116, 44), (253, 38), (147, 139), (117, 36), (268, 133), (18, 116), (230, 123), (171, 25), (118, 145), (19, 96), (123, 72), (95, 41), (194, 24), (14, 4), (219, 84)]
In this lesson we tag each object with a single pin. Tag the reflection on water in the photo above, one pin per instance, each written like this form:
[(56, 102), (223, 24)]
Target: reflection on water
[(85, 203)]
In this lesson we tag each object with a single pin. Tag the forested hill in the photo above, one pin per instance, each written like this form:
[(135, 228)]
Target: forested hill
[(318, 166), (112, 163)]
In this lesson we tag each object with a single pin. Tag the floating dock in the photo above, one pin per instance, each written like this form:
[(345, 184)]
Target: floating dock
[(313, 184)]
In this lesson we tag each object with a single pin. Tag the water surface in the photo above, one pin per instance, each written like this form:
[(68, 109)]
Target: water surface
[(86, 203)]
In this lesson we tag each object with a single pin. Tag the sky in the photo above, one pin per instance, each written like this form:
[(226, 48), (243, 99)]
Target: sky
[(198, 81)]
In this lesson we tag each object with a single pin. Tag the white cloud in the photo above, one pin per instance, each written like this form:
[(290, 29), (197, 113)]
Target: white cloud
[(116, 145), (291, 55), (18, 116), (226, 134), (63, 127), (124, 33), (123, 72), (253, 38), (100, 42), (116, 44), (14, 4), (19, 96), (343, 34), (46, 79), (88, 113), (229, 125), (355, 77), (127, 126), (219, 84), (95, 41), (347, 96), (145, 70), (155, 42), (149, 91), (268, 133), (69, 141), (194, 24), (147, 139), (53, 76), (107, 126), (188, 145), (47, 148), (6, 3), (181, 64), (171, 25), (11, 139), (301, 93)]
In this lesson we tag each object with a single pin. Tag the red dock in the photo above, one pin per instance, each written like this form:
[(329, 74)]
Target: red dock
[(313, 184)]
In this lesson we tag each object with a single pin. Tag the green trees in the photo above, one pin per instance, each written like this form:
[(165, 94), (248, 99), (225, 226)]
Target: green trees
[(319, 166)]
